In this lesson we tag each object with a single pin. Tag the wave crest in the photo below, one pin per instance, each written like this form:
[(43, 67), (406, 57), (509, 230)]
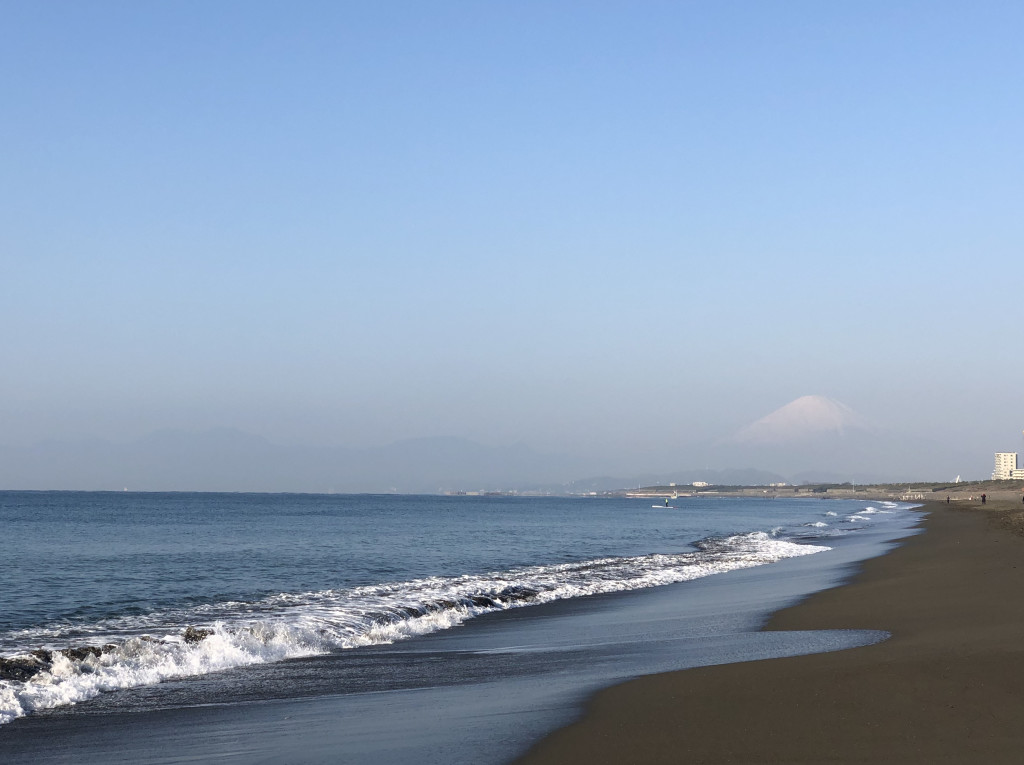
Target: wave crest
[(148, 649)]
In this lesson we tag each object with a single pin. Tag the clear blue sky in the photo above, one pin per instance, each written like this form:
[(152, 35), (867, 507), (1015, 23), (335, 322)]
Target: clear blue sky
[(604, 228)]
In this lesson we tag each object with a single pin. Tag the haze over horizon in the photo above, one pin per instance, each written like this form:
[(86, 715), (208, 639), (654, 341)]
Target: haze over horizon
[(617, 234)]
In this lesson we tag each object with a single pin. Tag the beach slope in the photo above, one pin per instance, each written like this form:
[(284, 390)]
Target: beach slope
[(947, 687)]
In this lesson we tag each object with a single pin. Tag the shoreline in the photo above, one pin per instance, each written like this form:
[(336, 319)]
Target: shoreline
[(944, 688), (510, 677)]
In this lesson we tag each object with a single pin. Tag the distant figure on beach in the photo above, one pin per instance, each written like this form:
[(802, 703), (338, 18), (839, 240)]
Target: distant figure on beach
[(983, 499), (947, 499)]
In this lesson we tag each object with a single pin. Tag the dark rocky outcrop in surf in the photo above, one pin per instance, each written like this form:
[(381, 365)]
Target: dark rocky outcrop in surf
[(518, 594), (193, 635), (507, 596), (24, 668), (20, 669)]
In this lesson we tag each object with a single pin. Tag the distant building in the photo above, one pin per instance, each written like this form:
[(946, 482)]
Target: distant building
[(700, 484), (1006, 467)]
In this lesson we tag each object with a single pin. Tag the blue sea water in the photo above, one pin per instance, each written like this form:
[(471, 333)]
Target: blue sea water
[(343, 597)]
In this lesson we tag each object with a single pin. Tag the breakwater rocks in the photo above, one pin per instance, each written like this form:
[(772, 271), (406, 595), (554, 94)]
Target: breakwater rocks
[(23, 668)]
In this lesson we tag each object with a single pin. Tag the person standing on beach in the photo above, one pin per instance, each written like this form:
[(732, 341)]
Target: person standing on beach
[(983, 499)]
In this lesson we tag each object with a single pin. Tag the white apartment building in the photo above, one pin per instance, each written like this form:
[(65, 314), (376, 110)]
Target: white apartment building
[(1006, 467)]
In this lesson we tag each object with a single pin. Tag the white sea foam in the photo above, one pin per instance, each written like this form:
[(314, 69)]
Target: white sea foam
[(817, 525), (150, 649)]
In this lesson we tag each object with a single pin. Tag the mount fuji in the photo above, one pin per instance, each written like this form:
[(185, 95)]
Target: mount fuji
[(804, 419)]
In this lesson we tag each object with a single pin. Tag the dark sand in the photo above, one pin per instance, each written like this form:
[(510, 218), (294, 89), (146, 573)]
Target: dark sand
[(947, 687)]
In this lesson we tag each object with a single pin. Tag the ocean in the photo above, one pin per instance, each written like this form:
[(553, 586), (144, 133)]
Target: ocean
[(179, 627)]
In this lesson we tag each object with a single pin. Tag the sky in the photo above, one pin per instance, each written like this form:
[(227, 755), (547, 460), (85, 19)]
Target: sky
[(614, 230)]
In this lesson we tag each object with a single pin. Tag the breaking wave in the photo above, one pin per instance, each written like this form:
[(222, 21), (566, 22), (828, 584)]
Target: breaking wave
[(63, 664)]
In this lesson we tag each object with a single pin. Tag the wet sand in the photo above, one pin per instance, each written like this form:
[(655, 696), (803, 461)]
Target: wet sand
[(947, 687)]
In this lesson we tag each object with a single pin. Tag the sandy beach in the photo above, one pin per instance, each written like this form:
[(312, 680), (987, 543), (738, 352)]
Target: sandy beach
[(947, 687)]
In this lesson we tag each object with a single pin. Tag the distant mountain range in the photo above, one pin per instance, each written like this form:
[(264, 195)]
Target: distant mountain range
[(811, 439), (230, 460)]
